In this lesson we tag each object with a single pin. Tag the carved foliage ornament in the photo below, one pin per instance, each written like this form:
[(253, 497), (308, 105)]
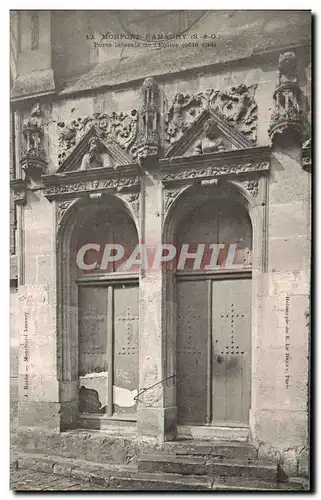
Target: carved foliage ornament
[(92, 186), (170, 196), (32, 152), (215, 171), (123, 127), (252, 186), (62, 208), (133, 200), (287, 119), (236, 105)]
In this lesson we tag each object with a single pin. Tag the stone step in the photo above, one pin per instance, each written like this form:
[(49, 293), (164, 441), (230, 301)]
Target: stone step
[(127, 477), (189, 465), (161, 482), (158, 482), (104, 423), (225, 449)]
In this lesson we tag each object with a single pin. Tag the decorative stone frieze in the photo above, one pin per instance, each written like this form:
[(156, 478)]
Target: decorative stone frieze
[(236, 105), (123, 127), (90, 186), (33, 160), (241, 165), (148, 144), (222, 170), (287, 120)]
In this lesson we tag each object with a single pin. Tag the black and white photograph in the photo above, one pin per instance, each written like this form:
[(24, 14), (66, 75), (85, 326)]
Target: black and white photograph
[(160, 250)]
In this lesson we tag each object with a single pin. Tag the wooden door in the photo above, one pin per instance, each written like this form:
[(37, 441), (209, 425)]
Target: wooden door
[(231, 350), (125, 383), (214, 351), (192, 347), (108, 349)]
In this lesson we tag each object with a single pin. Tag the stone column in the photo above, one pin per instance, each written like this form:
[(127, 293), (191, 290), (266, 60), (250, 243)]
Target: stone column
[(156, 409)]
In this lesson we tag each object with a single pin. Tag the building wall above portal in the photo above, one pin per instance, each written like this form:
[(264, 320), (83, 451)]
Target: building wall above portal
[(78, 63)]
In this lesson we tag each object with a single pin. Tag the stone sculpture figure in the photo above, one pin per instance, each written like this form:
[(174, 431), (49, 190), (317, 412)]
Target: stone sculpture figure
[(93, 158), (211, 143)]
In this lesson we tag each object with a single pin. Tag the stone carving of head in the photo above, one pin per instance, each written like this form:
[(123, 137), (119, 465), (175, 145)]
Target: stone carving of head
[(209, 128), (93, 144)]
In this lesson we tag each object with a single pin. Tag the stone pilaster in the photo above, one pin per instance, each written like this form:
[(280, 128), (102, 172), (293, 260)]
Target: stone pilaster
[(156, 410), (281, 349)]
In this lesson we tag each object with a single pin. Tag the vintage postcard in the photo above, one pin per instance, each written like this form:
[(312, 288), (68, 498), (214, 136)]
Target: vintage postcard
[(160, 250)]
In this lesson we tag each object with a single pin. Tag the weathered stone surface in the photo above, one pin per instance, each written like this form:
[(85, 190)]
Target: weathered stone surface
[(169, 464), (303, 463), (251, 470)]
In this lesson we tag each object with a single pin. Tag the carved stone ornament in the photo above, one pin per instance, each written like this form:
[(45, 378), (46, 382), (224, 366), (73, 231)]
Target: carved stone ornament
[(148, 144), (133, 200), (19, 187), (221, 170), (236, 105), (211, 143), (92, 159), (123, 127), (252, 186), (92, 186), (33, 160), (170, 196), (61, 209), (287, 120)]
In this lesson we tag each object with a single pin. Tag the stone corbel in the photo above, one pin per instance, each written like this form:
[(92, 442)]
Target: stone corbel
[(19, 188)]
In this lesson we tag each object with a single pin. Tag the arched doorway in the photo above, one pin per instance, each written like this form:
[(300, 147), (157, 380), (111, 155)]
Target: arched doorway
[(213, 301), (100, 312)]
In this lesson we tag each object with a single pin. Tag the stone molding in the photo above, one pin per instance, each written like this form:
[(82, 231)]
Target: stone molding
[(100, 180), (230, 164)]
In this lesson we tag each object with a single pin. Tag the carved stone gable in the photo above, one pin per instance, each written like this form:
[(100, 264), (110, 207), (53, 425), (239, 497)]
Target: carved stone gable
[(96, 150), (235, 107), (209, 133)]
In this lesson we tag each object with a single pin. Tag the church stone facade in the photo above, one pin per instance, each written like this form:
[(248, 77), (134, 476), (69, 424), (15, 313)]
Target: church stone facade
[(197, 143)]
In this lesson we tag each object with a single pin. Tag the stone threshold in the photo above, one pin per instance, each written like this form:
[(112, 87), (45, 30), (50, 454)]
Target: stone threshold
[(214, 432), (128, 477)]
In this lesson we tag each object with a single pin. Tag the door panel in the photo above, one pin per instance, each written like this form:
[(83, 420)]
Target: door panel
[(92, 360), (108, 362), (231, 348), (125, 348), (192, 347)]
